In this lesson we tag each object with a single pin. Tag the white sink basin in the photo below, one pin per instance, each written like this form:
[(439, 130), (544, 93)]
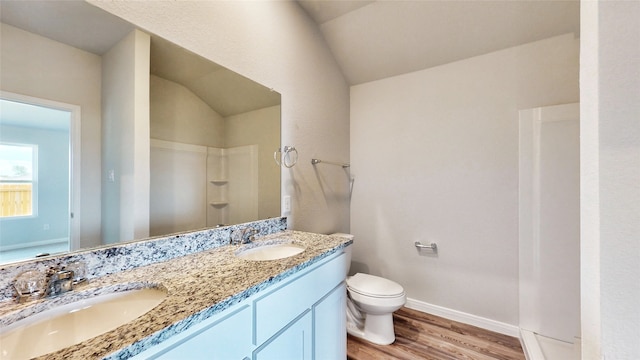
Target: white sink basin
[(70, 324), (270, 251)]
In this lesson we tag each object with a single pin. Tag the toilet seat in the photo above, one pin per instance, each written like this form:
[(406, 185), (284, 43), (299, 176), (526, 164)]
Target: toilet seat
[(374, 286)]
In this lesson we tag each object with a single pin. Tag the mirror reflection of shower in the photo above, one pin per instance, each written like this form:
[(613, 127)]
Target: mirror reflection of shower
[(195, 186)]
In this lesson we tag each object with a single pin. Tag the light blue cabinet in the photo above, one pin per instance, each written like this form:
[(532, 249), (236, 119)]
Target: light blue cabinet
[(223, 336), (295, 342), (329, 324), (302, 317)]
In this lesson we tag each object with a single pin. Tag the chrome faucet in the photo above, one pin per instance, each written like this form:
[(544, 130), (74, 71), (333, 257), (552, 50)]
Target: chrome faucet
[(243, 236), (58, 282), (32, 284), (249, 235)]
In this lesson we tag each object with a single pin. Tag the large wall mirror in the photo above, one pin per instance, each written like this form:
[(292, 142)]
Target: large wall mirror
[(110, 134)]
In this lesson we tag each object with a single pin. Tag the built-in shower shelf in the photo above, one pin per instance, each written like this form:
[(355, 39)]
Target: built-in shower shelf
[(219, 204), (219, 181)]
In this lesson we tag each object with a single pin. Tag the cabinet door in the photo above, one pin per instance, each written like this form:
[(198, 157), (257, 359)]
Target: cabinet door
[(228, 338), (329, 322), (293, 343), (279, 307)]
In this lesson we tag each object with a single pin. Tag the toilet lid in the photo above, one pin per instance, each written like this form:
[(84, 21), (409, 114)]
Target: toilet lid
[(374, 286)]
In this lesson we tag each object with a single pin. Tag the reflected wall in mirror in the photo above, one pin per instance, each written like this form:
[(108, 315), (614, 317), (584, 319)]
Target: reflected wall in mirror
[(167, 141)]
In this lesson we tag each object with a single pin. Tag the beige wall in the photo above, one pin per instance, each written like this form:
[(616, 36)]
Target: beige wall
[(276, 44), (177, 114), (261, 127), (435, 154), (126, 141), (36, 66)]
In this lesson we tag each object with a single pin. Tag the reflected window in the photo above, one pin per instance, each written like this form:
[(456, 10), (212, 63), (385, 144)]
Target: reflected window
[(18, 180)]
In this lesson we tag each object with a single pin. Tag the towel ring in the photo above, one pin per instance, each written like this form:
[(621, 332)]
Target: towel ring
[(284, 157)]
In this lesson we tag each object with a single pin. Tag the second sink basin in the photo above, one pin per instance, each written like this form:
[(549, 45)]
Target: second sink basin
[(270, 251), (66, 325)]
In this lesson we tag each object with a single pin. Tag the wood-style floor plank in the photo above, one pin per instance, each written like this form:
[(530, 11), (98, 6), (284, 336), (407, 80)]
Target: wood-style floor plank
[(424, 336)]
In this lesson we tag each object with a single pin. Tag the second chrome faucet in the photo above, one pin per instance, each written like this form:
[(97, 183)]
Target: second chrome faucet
[(243, 236)]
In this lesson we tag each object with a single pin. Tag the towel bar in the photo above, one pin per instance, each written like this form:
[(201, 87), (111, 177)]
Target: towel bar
[(318, 161), (433, 246)]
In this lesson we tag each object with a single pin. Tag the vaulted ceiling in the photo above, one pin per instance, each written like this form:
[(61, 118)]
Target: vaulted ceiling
[(372, 40)]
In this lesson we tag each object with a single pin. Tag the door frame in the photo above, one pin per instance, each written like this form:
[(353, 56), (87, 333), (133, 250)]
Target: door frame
[(531, 241), (74, 161)]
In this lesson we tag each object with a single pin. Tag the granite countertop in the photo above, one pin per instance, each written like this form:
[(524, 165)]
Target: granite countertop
[(198, 286)]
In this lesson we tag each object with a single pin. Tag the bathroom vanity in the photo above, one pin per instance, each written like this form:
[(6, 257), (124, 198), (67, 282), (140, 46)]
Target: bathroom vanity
[(300, 318), (221, 305)]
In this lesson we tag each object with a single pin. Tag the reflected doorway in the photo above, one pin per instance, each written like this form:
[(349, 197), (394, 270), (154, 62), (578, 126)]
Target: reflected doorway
[(38, 195)]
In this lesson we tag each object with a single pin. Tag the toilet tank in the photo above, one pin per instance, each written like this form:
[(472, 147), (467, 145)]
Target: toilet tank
[(348, 250)]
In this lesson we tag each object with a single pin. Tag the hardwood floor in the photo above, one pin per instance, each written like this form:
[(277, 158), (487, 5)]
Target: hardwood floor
[(425, 336)]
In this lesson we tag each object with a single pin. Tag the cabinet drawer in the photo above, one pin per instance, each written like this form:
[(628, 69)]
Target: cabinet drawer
[(278, 308)]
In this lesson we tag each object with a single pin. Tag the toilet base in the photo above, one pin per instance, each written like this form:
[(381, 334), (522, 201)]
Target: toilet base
[(377, 329)]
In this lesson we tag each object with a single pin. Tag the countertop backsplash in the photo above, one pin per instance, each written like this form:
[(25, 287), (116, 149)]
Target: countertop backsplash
[(124, 256)]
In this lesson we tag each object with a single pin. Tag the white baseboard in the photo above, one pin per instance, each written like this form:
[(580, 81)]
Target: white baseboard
[(6, 248), (488, 324)]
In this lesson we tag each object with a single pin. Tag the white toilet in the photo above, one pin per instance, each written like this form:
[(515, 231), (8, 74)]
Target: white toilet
[(371, 301)]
